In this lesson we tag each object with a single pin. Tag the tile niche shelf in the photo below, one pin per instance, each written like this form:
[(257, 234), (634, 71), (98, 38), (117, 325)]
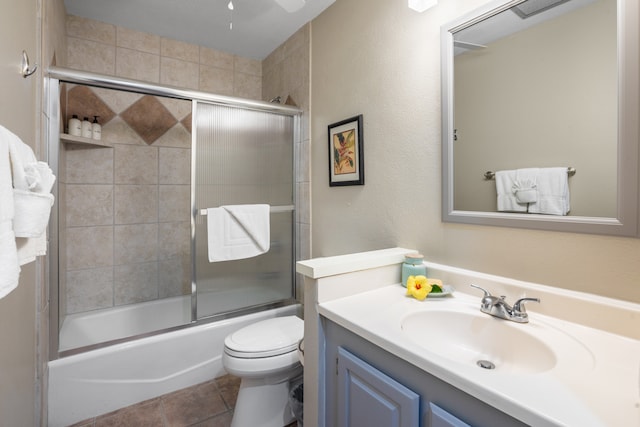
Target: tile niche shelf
[(72, 139)]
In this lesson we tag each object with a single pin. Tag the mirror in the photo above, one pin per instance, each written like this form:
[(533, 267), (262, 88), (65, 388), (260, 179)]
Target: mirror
[(540, 84)]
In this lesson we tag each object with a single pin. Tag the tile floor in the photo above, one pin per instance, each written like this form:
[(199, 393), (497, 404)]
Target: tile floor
[(209, 404)]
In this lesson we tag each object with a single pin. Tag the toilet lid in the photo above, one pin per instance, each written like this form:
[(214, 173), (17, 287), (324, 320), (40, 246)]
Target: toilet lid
[(266, 338)]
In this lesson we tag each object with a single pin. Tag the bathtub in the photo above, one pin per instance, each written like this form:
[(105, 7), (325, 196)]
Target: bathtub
[(99, 381), (98, 326)]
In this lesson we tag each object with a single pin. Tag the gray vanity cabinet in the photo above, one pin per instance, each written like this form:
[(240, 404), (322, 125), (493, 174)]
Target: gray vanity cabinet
[(367, 397), (366, 386)]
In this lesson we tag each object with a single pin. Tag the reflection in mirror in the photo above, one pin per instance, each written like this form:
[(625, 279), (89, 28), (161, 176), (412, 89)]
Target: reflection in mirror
[(535, 84)]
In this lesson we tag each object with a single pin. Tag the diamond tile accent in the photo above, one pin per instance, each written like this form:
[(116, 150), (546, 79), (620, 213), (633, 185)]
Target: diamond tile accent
[(186, 122), (84, 102), (149, 118)]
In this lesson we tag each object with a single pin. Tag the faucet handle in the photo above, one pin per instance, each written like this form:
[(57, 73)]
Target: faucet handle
[(486, 292), (518, 306)]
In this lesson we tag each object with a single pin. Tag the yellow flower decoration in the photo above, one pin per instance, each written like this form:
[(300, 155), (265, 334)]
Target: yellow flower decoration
[(418, 287)]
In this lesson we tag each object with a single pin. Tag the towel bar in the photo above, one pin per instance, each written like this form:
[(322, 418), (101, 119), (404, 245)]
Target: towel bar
[(274, 209), (489, 175)]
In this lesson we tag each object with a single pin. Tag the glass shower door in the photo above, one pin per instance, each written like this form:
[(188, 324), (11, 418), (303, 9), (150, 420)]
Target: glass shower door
[(242, 157)]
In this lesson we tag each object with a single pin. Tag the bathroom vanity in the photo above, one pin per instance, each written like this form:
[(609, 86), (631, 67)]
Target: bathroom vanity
[(368, 386), (382, 358)]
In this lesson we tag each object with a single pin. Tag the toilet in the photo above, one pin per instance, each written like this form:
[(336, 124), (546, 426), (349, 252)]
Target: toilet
[(265, 357)]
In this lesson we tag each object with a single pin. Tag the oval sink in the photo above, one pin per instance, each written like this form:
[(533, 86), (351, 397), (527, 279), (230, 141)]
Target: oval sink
[(480, 339)]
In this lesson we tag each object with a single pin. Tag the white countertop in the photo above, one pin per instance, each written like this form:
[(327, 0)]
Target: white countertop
[(334, 265), (599, 385)]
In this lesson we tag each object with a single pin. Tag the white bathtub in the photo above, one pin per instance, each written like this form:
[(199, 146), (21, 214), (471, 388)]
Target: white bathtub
[(99, 381), (98, 326)]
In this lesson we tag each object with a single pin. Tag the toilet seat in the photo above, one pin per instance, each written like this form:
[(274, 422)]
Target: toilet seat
[(267, 338)]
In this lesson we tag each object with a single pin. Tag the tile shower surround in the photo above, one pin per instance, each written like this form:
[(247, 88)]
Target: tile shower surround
[(127, 207), (112, 50)]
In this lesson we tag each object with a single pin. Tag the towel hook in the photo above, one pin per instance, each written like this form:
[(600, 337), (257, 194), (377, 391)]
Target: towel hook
[(26, 69)]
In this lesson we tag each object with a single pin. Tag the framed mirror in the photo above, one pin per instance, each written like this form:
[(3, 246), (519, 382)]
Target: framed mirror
[(534, 87)]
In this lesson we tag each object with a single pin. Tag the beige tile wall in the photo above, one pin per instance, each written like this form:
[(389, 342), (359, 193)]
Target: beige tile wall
[(127, 208), (112, 50), (108, 49)]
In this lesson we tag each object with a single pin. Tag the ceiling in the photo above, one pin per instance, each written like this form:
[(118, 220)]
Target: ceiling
[(259, 26), (508, 22)]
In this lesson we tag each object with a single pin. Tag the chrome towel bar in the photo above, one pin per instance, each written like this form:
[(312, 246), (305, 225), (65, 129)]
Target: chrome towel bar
[(274, 209), (488, 175)]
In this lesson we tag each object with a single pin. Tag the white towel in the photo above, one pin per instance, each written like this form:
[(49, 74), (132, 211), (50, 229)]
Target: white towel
[(40, 177), (32, 183), (507, 201), (31, 213), (29, 249), (21, 155), (553, 192), (25, 206), (237, 231), (9, 267), (525, 186)]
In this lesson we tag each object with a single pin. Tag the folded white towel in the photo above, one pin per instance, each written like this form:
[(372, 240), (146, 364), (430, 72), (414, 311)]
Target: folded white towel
[(237, 231), (29, 249), (553, 192), (31, 213), (525, 186), (40, 177), (32, 183), (507, 201), (21, 154)]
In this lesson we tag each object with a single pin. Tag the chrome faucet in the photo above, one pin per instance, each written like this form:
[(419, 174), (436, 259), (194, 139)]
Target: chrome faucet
[(498, 307)]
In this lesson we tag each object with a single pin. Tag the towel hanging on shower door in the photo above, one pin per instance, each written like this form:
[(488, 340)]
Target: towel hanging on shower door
[(237, 231)]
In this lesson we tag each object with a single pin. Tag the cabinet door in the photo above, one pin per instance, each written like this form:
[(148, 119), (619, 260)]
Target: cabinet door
[(369, 398), (438, 417)]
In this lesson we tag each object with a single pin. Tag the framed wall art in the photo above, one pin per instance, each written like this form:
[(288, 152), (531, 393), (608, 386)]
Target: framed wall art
[(346, 155)]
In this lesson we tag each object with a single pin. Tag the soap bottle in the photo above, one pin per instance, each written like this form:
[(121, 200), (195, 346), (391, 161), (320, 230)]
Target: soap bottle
[(75, 128), (96, 129), (413, 266), (86, 128)]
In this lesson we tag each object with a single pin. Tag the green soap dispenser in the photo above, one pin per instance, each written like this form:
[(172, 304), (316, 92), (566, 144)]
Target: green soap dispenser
[(413, 266)]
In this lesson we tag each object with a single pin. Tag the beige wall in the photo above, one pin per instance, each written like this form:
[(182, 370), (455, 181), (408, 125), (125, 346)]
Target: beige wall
[(381, 59), (553, 103), (19, 311)]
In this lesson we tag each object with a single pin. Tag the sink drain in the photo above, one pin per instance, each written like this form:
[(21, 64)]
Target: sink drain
[(485, 364)]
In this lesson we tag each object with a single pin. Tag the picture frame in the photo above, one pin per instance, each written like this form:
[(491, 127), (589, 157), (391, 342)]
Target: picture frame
[(346, 152)]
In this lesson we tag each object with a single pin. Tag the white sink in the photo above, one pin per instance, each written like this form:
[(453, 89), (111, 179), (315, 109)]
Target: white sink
[(479, 339)]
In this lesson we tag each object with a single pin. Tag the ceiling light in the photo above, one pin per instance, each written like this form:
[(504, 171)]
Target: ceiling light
[(291, 5), (422, 5)]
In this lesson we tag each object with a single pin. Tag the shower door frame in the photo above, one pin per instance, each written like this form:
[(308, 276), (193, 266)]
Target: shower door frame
[(57, 75)]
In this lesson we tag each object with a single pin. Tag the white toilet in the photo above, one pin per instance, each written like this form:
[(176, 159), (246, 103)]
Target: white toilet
[(265, 356)]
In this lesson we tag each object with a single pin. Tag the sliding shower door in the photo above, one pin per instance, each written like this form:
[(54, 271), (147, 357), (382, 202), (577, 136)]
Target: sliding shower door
[(243, 157)]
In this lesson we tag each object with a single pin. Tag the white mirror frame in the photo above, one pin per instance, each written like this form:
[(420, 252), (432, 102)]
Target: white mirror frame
[(626, 222)]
